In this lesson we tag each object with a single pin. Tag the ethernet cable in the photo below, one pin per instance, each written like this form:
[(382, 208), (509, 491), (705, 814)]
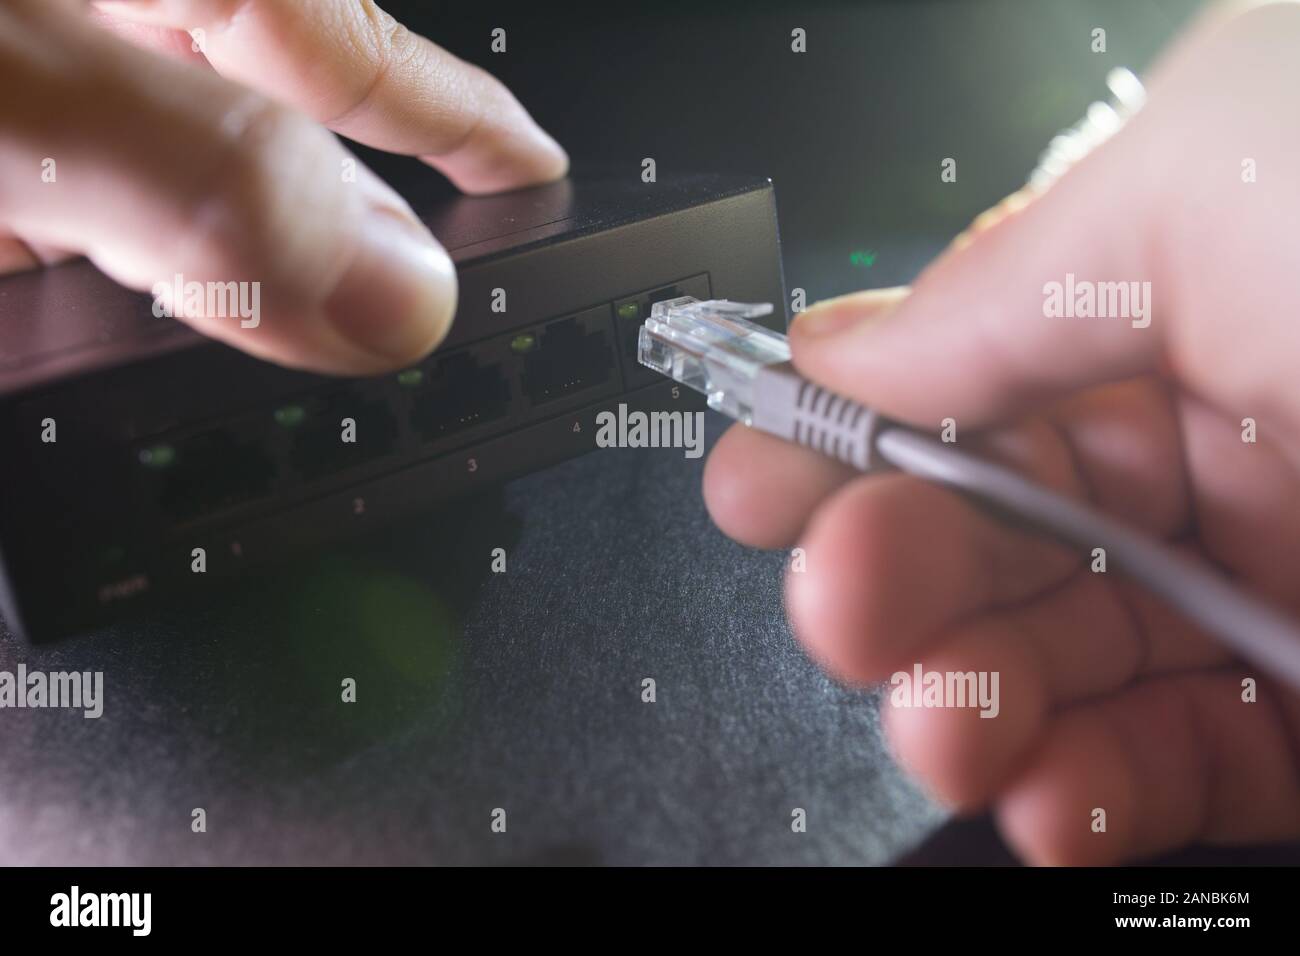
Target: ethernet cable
[(745, 372)]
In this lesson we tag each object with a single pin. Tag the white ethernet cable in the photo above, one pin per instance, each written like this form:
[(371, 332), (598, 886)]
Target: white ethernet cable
[(744, 369)]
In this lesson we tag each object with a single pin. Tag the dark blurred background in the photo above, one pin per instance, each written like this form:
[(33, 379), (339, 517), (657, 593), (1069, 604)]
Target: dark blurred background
[(852, 131)]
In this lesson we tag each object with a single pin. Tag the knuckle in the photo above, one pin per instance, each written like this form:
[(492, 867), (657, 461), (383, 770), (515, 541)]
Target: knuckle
[(258, 171), (388, 47)]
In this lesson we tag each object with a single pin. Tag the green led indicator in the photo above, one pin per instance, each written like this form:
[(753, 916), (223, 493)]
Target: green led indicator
[(629, 310), (523, 342), (157, 456), (410, 377), (290, 416)]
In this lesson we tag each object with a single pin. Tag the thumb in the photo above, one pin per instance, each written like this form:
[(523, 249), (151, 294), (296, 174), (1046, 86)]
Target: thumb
[(1000, 322), (169, 177)]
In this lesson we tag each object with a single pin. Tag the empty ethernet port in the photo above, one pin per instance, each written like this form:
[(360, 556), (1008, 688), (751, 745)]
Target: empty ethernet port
[(206, 472), (568, 357), (339, 430), (459, 393)]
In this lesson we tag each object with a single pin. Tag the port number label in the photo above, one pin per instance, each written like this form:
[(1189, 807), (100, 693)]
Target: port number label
[(677, 391), (472, 465), (577, 426), (358, 506)]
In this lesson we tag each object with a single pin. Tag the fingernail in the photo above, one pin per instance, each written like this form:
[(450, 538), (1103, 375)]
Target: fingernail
[(989, 218), (831, 316), (398, 297), (826, 320)]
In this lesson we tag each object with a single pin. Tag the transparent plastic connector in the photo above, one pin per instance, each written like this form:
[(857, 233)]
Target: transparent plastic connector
[(712, 347)]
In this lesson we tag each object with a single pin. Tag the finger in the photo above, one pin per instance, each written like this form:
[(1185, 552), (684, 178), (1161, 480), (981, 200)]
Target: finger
[(761, 490), (173, 43), (1245, 500), (18, 256), (1088, 638), (891, 561), (961, 749), (353, 67), (1126, 443), (165, 170), (1169, 761), (15, 256), (973, 340), (1123, 441)]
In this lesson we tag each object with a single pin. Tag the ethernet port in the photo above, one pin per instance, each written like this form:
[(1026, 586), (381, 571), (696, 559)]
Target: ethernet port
[(324, 442), (206, 472), (630, 314), (570, 356), (460, 392)]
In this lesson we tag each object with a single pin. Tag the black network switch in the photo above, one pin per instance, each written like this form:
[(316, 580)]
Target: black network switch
[(167, 441)]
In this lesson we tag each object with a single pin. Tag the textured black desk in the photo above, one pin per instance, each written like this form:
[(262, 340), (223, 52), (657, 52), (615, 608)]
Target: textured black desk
[(475, 691)]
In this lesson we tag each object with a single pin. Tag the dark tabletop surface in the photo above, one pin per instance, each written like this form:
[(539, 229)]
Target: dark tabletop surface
[(475, 691)]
